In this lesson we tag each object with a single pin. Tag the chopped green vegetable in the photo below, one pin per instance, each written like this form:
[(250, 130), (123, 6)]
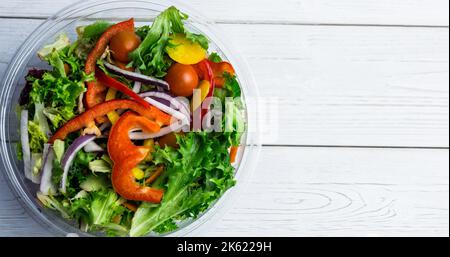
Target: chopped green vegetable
[(232, 85), (58, 116), (55, 60), (78, 172), (37, 137), (101, 166), (104, 206), (93, 31), (87, 37), (40, 118), (84, 158), (58, 148), (60, 93), (215, 57), (61, 42), (54, 204), (94, 183), (36, 163)]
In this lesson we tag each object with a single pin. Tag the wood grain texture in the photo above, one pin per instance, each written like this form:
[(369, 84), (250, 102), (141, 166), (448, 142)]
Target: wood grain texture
[(373, 12), (335, 85), (373, 73), (320, 192)]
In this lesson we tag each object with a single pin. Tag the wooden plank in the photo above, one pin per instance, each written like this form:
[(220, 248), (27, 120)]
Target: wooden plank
[(385, 12), (319, 192), (335, 85)]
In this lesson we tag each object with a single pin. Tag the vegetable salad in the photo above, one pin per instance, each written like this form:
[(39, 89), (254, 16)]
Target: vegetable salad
[(114, 131)]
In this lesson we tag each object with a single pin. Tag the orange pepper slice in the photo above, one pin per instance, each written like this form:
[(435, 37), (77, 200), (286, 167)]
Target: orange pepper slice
[(95, 91), (126, 156), (219, 69), (87, 117)]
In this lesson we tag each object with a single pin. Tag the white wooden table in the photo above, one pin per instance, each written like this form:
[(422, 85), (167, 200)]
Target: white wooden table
[(364, 115)]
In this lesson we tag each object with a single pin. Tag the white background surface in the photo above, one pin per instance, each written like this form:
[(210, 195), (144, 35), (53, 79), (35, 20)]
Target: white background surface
[(364, 115)]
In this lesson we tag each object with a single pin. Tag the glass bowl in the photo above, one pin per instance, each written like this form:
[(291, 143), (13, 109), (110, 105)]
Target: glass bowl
[(85, 12)]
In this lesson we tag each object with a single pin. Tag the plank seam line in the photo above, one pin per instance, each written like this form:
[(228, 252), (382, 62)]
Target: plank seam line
[(330, 24), (334, 146), (246, 22), (360, 147)]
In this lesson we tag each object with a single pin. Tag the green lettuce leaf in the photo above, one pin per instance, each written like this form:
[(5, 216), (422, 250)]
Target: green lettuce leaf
[(61, 42), (59, 148), (101, 166), (87, 37), (150, 57), (93, 31), (215, 57), (94, 183), (58, 115), (104, 205)]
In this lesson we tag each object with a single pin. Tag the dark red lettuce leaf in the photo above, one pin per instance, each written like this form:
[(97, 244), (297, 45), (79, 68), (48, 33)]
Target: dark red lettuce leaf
[(24, 98)]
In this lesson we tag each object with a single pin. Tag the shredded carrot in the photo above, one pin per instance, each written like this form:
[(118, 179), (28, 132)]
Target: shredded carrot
[(233, 153), (155, 175), (130, 206)]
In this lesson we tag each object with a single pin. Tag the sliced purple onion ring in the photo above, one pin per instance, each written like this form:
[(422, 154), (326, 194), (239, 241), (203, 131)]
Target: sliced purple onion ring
[(173, 101), (137, 84), (104, 126), (138, 77), (139, 135), (182, 121), (69, 156), (176, 114), (47, 187)]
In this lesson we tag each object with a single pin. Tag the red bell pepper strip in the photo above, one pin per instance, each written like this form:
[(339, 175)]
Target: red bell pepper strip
[(205, 72), (95, 93), (110, 82), (88, 117), (127, 156)]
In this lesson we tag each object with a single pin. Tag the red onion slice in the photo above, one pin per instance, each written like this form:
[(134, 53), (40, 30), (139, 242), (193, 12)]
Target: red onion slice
[(164, 131), (138, 77), (47, 187), (104, 126), (175, 103), (178, 115), (92, 147), (137, 84), (183, 121), (25, 141), (69, 156)]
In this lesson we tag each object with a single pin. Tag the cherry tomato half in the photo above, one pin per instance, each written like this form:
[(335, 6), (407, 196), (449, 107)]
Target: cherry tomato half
[(183, 79), (122, 44), (219, 69)]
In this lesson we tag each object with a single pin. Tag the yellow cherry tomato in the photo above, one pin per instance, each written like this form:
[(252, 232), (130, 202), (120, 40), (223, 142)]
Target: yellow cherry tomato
[(113, 116), (138, 173), (184, 51), (204, 87)]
